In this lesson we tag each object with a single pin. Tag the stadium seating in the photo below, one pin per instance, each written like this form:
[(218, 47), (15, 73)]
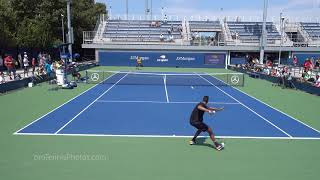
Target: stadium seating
[(204, 26), (141, 30), (313, 29), (250, 32)]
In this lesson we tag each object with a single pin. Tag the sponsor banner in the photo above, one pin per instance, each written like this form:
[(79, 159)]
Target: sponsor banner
[(215, 59), (160, 59)]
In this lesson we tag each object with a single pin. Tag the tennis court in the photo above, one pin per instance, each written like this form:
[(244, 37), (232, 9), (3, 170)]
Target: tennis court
[(144, 104)]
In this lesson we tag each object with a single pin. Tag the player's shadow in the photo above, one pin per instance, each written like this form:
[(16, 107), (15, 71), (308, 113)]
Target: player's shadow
[(202, 142)]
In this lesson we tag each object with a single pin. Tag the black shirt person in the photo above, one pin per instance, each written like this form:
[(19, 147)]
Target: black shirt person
[(196, 120)]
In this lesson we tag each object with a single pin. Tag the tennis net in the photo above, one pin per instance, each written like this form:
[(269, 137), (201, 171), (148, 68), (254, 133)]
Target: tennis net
[(174, 79)]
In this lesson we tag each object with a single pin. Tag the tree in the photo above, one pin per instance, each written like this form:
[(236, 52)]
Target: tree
[(7, 25), (37, 23)]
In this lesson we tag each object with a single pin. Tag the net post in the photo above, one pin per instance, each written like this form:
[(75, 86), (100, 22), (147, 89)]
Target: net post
[(228, 80), (242, 80), (87, 77)]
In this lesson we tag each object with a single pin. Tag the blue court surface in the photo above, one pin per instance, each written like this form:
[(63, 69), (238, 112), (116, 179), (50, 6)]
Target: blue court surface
[(163, 109)]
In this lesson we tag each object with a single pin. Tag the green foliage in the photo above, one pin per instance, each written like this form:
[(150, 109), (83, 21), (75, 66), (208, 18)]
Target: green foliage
[(37, 23)]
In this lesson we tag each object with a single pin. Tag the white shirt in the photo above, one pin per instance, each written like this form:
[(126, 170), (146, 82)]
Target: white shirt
[(25, 61), (1, 79)]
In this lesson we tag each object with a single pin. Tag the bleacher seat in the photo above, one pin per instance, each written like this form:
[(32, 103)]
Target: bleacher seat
[(140, 30), (313, 29), (250, 32)]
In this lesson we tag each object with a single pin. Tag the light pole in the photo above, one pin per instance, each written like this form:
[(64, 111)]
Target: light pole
[(263, 37), (281, 35), (70, 33), (62, 26)]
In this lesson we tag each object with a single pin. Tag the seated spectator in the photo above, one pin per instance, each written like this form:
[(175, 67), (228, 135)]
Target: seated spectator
[(153, 24), (180, 28), (281, 79), (288, 82), (317, 82), (171, 39), (306, 75), (295, 61), (266, 71), (169, 30), (317, 63), (161, 37), (269, 63), (307, 65), (2, 80)]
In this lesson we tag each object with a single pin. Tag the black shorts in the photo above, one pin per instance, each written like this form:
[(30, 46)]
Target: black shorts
[(200, 126)]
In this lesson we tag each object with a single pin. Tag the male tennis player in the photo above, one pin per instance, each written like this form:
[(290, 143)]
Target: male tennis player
[(196, 120), (139, 62)]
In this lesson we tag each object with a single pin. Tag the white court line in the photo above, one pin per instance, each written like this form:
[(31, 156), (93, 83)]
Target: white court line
[(59, 106), (165, 87), (247, 107), (273, 108), (162, 102), (280, 111), (90, 105), (166, 136)]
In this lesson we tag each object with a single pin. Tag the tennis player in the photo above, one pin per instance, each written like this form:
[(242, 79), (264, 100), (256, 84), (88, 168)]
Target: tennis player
[(196, 120), (139, 62)]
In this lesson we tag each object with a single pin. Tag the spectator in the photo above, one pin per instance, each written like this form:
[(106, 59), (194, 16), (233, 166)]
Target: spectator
[(306, 76), (33, 63), (48, 68), (289, 82), (1, 63), (2, 80), (153, 24), (317, 82), (318, 63), (169, 30), (171, 39), (161, 37), (295, 61), (20, 61), (307, 65), (25, 65), (269, 64), (8, 61)]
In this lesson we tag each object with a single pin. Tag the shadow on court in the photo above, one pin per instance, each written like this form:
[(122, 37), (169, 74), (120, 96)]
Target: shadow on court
[(202, 142)]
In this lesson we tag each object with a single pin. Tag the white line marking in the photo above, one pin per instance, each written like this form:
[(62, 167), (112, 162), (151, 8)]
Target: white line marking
[(90, 104), (274, 108), (280, 111), (59, 106), (162, 102), (166, 136), (165, 87), (247, 107)]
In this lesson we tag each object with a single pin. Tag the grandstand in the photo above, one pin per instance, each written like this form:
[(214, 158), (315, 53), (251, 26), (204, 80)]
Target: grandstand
[(251, 32), (313, 29), (201, 32)]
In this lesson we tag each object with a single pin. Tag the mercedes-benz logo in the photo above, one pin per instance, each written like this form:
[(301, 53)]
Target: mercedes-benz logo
[(235, 79), (94, 76)]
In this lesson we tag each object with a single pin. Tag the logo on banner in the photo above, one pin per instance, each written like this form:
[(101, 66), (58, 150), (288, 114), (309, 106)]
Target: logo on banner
[(94, 77), (162, 58), (186, 59), (235, 79), (143, 58)]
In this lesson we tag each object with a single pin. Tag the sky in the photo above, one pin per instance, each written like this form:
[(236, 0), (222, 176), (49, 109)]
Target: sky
[(293, 10)]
